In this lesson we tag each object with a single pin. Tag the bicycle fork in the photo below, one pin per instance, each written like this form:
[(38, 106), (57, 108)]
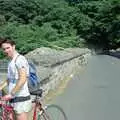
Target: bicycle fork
[(40, 112), (35, 114)]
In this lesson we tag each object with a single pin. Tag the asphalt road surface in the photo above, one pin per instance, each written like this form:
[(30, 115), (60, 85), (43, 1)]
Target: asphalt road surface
[(95, 93)]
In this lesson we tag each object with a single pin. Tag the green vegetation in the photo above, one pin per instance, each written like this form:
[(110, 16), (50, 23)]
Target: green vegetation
[(62, 23)]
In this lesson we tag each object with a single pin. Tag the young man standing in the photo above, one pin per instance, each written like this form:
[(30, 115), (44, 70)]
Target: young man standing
[(18, 72)]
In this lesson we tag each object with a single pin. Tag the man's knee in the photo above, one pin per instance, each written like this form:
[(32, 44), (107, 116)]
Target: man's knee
[(22, 116)]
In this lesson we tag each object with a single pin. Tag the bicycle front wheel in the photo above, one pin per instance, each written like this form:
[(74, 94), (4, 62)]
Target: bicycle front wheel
[(52, 112)]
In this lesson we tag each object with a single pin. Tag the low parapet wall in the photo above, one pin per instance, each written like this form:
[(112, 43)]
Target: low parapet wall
[(54, 66)]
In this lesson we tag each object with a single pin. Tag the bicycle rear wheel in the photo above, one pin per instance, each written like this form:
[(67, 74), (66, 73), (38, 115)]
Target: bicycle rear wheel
[(52, 112)]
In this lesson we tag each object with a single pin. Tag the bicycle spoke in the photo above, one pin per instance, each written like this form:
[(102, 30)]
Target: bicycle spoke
[(54, 112)]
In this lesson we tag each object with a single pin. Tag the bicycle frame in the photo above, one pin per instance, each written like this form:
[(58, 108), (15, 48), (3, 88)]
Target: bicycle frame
[(7, 111), (47, 112), (37, 106), (35, 112)]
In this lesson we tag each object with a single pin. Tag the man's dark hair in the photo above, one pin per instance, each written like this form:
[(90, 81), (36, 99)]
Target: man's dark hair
[(6, 40)]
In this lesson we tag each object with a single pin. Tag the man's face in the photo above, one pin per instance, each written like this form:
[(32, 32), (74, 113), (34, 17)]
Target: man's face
[(8, 49)]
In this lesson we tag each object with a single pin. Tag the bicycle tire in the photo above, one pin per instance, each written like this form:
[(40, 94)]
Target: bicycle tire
[(52, 112), (1, 118), (1, 113)]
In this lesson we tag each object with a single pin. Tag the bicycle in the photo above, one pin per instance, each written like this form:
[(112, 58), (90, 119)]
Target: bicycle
[(40, 112)]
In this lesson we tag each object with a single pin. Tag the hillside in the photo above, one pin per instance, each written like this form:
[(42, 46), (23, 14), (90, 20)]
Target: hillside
[(62, 23)]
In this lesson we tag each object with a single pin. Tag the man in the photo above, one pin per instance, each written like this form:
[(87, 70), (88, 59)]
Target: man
[(18, 71)]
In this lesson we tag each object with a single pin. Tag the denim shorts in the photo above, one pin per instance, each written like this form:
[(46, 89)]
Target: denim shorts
[(21, 107)]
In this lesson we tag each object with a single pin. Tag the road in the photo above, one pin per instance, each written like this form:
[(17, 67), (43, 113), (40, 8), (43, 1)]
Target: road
[(95, 93)]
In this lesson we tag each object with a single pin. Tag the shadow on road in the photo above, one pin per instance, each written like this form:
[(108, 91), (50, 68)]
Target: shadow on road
[(111, 53), (115, 54)]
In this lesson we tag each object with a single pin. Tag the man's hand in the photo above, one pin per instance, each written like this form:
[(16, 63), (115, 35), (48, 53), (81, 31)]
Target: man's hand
[(7, 97)]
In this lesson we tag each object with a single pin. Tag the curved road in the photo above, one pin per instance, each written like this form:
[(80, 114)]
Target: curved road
[(95, 93)]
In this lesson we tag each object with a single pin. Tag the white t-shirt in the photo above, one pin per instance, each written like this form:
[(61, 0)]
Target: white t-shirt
[(13, 75)]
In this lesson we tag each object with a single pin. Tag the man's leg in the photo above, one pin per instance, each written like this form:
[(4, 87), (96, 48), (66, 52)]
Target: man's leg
[(22, 116), (22, 110)]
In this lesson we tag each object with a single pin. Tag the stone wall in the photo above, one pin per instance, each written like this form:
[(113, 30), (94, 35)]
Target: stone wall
[(53, 66)]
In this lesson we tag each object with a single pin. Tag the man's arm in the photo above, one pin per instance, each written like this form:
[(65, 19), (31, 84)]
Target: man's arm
[(21, 81)]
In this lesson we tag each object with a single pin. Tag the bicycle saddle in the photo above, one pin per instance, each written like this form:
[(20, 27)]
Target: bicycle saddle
[(37, 92)]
